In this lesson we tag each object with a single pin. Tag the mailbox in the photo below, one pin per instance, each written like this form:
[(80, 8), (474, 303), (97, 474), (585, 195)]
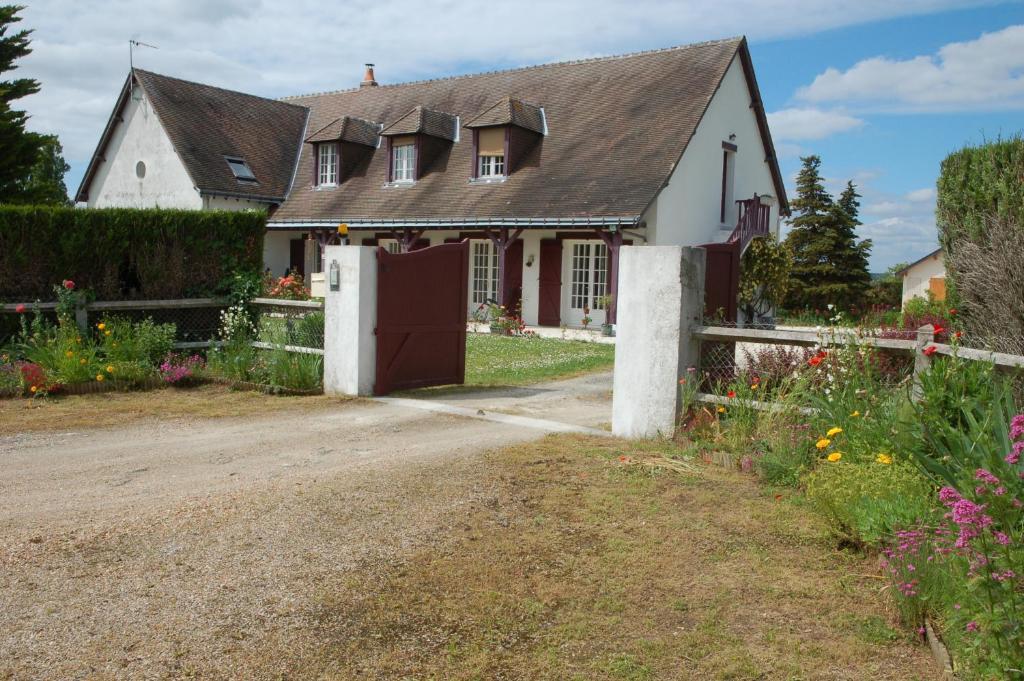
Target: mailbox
[(334, 276)]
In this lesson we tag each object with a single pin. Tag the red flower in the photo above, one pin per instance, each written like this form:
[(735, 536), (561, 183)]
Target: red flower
[(957, 334), (756, 379), (939, 329), (952, 312), (814, 361), (68, 284), (20, 308), (731, 393), (930, 350), (682, 381)]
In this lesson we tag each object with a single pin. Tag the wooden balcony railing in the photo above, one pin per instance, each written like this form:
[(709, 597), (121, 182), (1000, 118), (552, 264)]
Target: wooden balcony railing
[(753, 222)]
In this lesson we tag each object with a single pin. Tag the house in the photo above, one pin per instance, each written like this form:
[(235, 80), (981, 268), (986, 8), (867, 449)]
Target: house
[(547, 170), (925, 276)]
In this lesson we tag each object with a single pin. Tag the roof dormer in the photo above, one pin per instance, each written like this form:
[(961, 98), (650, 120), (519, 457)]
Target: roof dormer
[(341, 147), (417, 141), (503, 134)]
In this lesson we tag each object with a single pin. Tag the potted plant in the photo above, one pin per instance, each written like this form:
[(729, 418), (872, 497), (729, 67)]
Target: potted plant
[(586, 318), (607, 328)]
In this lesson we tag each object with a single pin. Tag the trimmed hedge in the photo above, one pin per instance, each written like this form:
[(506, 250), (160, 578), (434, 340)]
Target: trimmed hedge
[(980, 183), (124, 253)]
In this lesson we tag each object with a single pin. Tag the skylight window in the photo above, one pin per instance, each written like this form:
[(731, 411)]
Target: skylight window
[(240, 169)]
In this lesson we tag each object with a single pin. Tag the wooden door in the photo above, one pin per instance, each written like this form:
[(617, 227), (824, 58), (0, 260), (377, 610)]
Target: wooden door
[(297, 257), (513, 276), (549, 303)]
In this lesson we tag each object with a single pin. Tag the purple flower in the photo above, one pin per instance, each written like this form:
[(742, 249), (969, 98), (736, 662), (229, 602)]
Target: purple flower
[(1002, 538), (1017, 426), (947, 494), (972, 626), (985, 476)]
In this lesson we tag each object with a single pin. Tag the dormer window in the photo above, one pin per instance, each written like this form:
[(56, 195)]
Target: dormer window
[(327, 163), (417, 141), (403, 160), (503, 135), (492, 166), (240, 169)]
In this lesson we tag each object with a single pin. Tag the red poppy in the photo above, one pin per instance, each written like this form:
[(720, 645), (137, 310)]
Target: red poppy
[(731, 393), (930, 350), (939, 328), (682, 381), (68, 284), (20, 308), (756, 379), (958, 334), (814, 361), (952, 312)]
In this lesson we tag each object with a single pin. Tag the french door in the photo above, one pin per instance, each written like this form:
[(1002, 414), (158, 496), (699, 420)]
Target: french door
[(483, 274), (585, 268)]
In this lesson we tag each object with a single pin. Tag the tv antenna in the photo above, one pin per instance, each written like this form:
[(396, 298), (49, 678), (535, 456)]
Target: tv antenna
[(132, 44)]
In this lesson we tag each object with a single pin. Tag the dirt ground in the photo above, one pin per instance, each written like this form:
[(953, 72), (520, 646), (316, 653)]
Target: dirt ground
[(363, 540)]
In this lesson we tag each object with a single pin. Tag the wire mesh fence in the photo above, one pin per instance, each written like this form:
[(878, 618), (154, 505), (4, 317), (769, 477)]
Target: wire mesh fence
[(296, 325)]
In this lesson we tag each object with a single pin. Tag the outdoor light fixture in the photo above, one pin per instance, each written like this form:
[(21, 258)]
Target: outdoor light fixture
[(335, 276), (529, 260)]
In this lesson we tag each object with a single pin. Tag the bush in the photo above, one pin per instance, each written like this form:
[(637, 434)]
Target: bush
[(121, 253), (980, 216)]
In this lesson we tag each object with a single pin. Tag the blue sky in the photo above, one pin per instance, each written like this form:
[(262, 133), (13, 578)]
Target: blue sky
[(882, 90)]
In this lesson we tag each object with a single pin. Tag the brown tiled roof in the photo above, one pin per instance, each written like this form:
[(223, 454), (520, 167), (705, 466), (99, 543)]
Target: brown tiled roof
[(616, 128), (508, 111), (426, 121), (348, 129), (206, 124)]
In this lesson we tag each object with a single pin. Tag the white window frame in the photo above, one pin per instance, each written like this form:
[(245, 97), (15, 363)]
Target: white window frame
[(390, 245), (585, 268), (403, 163), (491, 166), (327, 164), (483, 273)]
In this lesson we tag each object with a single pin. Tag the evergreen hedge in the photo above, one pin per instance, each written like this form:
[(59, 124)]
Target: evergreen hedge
[(124, 253), (980, 216), (977, 184)]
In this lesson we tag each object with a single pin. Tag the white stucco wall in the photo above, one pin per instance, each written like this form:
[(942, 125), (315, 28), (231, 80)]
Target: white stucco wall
[(276, 253), (917, 279), (141, 137), (687, 211)]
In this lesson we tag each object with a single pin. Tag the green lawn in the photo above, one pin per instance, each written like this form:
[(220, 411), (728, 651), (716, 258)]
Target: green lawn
[(504, 360)]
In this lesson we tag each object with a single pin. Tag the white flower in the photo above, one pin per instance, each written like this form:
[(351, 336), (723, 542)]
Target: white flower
[(830, 306)]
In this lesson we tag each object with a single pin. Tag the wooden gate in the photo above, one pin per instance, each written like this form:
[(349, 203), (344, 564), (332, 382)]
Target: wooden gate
[(421, 317)]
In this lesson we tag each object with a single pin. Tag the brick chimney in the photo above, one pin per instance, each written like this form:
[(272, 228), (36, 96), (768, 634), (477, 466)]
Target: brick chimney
[(368, 80)]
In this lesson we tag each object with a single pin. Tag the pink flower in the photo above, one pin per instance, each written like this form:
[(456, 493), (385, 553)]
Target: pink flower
[(1001, 537), (985, 476), (972, 626), (20, 308), (68, 284)]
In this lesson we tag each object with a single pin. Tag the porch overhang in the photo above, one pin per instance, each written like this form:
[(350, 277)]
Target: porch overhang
[(617, 221)]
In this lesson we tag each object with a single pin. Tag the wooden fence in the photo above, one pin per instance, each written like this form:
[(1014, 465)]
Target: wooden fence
[(838, 337)]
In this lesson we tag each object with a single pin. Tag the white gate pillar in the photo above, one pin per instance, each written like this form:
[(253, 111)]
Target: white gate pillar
[(661, 295), (350, 317)]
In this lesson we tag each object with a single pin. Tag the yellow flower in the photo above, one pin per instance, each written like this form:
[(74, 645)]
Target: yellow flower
[(884, 458), (822, 443), (69, 353), (82, 361), (753, 386), (835, 456), (101, 326), (106, 333), (721, 409), (855, 414), (33, 388), (99, 377), (110, 368), (833, 432)]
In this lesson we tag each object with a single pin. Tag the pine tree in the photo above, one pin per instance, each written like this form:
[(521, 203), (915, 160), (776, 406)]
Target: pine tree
[(19, 148), (829, 265)]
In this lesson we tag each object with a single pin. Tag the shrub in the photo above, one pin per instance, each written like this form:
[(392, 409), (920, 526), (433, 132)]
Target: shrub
[(122, 253)]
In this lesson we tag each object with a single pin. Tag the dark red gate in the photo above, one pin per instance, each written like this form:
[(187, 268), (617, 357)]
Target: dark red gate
[(421, 317)]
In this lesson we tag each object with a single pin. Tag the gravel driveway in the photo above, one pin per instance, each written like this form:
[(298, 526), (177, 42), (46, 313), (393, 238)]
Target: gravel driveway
[(146, 551)]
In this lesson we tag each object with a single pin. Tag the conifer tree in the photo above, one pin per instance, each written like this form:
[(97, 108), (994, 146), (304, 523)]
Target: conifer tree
[(19, 149), (829, 265)]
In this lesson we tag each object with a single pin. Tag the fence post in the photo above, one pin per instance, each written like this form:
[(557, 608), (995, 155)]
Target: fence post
[(82, 316), (350, 320), (922, 362), (661, 296)]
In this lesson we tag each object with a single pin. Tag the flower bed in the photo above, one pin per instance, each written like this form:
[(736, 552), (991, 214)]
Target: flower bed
[(933, 486)]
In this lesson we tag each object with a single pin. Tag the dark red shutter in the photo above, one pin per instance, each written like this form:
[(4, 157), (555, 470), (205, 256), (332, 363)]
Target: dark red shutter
[(549, 303), (513, 275)]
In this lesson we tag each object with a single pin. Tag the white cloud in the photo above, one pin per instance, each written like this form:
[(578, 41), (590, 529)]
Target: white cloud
[(274, 48), (809, 124), (922, 195), (977, 75)]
